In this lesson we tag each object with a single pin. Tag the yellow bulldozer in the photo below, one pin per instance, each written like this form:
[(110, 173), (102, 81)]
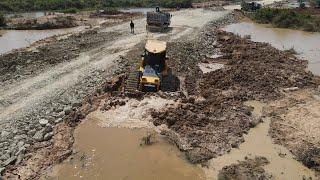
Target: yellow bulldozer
[(153, 69)]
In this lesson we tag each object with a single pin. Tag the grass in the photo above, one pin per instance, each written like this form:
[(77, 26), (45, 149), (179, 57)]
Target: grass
[(288, 18)]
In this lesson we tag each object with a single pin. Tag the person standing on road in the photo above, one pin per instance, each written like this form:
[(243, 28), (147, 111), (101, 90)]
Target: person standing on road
[(132, 27)]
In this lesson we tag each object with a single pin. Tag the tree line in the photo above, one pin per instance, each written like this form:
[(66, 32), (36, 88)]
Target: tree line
[(36, 5)]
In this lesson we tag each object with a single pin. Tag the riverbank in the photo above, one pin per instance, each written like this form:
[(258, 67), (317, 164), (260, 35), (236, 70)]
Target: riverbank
[(207, 118), (307, 19)]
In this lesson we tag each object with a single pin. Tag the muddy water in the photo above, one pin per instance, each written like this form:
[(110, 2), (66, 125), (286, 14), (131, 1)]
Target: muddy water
[(258, 143), (15, 39), (305, 43), (28, 14), (115, 153)]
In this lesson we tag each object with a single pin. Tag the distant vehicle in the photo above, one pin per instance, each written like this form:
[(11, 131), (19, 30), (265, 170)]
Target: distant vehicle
[(250, 6), (302, 4), (158, 20)]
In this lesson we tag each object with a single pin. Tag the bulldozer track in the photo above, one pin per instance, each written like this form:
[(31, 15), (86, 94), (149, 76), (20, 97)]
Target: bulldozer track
[(170, 83), (132, 83)]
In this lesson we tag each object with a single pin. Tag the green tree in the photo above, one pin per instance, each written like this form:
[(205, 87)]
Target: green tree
[(2, 19)]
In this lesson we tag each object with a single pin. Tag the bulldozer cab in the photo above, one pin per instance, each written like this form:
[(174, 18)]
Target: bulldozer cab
[(155, 55)]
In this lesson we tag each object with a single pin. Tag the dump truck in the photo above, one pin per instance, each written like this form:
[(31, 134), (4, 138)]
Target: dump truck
[(153, 70), (250, 6), (158, 21)]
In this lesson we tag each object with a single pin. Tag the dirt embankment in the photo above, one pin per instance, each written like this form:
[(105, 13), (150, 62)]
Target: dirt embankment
[(213, 120), (41, 23)]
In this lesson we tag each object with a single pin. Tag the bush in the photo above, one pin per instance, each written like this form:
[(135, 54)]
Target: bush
[(287, 18), (2, 20), (70, 11)]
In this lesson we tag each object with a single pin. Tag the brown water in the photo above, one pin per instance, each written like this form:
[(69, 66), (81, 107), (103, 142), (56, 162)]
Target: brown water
[(15, 39), (258, 143), (305, 43), (115, 153)]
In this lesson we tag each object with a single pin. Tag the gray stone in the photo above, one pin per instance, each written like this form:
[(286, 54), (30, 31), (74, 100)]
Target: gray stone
[(43, 122), (59, 120), (20, 143), (60, 115), (48, 136), (76, 104), (10, 161), (5, 133), (4, 157), (39, 135), (22, 150), (48, 128), (2, 170), (27, 145), (316, 97), (32, 132), (67, 110), (59, 110), (19, 158)]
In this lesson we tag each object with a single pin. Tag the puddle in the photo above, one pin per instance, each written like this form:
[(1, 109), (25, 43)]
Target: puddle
[(305, 43), (115, 153), (258, 143)]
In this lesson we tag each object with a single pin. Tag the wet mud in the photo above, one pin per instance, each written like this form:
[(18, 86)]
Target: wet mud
[(117, 153), (214, 124)]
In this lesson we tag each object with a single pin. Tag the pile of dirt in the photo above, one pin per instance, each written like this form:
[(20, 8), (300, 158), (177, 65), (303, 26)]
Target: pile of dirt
[(248, 169), (214, 121), (255, 71), (21, 64)]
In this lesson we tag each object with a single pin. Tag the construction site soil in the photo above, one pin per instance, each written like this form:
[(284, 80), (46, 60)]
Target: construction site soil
[(210, 117)]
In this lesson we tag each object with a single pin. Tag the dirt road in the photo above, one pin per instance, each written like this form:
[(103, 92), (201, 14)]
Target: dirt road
[(31, 106)]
